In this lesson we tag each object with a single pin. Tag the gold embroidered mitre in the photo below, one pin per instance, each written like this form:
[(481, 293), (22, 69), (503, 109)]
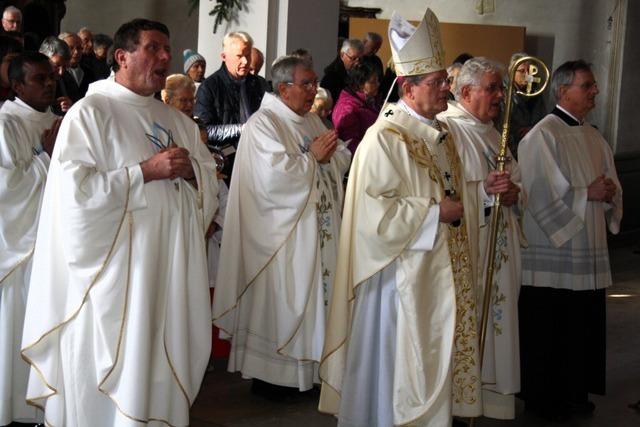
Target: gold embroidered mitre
[(416, 50)]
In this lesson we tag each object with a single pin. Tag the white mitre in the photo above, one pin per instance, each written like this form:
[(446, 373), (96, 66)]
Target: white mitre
[(416, 50)]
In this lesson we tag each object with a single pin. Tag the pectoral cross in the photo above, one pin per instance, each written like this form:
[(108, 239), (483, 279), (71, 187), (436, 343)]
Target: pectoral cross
[(533, 70), (388, 113)]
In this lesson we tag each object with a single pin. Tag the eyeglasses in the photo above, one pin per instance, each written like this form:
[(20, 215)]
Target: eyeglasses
[(440, 83), (353, 58), (493, 88), (586, 86), (309, 86)]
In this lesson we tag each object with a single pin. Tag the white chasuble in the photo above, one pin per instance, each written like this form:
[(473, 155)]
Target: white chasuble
[(393, 345), (117, 328), (567, 233), (279, 247), (23, 173), (477, 144)]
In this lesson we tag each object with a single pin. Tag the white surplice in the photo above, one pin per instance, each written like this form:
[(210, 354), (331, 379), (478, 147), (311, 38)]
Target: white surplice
[(567, 234), (279, 247), (23, 173), (117, 327), (403, 302), (478, 145)]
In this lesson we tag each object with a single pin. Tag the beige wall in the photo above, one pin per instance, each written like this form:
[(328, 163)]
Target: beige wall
[(105, 16)]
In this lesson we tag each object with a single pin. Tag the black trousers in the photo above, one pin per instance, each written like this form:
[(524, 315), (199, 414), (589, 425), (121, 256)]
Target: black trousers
[(562, 345)]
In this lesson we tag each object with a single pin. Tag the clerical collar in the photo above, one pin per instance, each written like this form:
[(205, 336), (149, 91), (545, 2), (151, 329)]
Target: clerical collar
[(566, 116), (433, 123), (23, 104)]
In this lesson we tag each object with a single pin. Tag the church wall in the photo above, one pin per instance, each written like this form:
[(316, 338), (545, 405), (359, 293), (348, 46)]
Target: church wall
[(106, 16), (556, 32), (277, 27)]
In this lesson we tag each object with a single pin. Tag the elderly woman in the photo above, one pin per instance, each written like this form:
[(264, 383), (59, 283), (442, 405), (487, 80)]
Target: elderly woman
[(358, 105), (179, 92)]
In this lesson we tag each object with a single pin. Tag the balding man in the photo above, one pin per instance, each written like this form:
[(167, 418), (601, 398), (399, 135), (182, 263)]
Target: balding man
[(574, 197), (12, 19), (372, 43), (78, 76), (257, 61), (335, 74), (227, 98)]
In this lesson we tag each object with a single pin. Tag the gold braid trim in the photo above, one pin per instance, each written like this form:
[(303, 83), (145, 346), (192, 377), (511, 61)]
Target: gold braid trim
[(419, 152)]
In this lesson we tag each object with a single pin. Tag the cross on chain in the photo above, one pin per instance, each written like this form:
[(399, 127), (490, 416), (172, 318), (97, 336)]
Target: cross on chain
[(533, 70)]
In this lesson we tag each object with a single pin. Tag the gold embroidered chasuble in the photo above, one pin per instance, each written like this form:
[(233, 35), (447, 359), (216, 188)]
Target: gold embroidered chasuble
[(402, 168)]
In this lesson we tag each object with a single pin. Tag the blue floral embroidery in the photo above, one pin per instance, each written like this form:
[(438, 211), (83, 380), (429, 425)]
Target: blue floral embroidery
[(156, 137)]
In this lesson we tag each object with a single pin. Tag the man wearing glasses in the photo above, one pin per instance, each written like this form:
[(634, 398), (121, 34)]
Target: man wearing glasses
[(574, 196), (335, 75), (479, 93), (526, 111), (279, 248), (401, 338)]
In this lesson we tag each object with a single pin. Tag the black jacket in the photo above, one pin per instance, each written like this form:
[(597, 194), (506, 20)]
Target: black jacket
[(218, 105), (335, 78)]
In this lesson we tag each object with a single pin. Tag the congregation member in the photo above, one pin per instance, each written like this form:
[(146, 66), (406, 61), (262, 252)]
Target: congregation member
[(99, 69), (335, 74), (9, 49), (12, 19), (323, 106), (371, 45), (78, 77), (358, 106), (401, 344), (179, 92), (279, 246), (59, 55), (117, 327), (101, 45), (194, 66), (28, 132), (526, 111), (574, 196), (479, 93), (227, 98), (452, 73), (257, 61)]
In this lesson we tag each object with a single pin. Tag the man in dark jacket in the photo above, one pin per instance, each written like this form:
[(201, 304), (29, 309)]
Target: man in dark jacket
[(335, 74), (227, 98)]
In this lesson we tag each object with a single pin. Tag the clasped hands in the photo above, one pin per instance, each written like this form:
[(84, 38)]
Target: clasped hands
[(169, 163), (500, 183), (601, 190), (324, 146)]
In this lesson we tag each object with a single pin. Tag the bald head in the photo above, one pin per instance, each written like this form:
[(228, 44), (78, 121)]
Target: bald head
[(12, 19), (257, 61)]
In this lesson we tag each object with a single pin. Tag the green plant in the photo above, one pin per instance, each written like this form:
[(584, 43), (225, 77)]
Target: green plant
[(224, 10)]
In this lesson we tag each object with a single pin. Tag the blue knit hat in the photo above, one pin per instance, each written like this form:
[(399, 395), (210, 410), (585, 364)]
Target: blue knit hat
[(191, 57)]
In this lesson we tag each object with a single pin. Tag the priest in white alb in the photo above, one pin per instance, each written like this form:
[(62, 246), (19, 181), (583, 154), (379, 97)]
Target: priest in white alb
[(574, 196), (28, 130), (479, 93), (278, 254), (401, 345), (117, 327)]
